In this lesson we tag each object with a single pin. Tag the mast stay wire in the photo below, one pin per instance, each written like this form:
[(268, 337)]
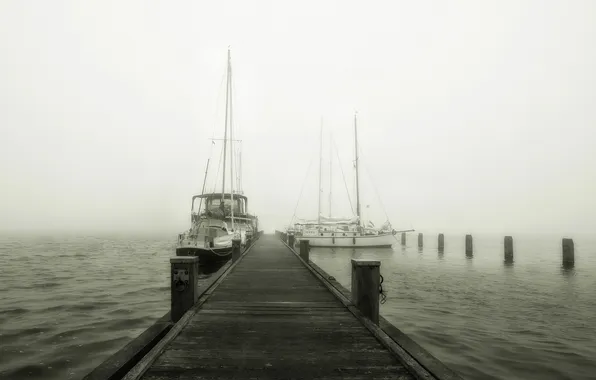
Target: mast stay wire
[(342, 174), (369, 175), (217, 173), (312, 157), (214, 128), (301, 190), (377, 193), (237, 155), (374, 187), (211, 145)]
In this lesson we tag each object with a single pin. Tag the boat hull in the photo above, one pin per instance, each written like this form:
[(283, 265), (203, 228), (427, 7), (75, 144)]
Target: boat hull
[(206, 256), (364, 241)]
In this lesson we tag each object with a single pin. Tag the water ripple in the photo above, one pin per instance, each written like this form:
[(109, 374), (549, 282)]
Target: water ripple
[(71, 301), (487, 320)]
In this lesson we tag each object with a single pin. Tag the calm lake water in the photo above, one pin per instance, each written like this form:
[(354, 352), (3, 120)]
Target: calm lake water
[(69, 302)]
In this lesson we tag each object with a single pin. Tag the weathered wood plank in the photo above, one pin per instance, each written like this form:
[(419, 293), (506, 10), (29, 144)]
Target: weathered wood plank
[(413, 349), (268, 373), (145, 362), (270, 319), (122, 361)]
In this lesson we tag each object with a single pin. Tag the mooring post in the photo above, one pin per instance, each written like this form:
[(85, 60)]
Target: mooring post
[(184, 275), (568, 253), (236, 252), (365, 287), (291, 240), (469, 246), (403, 238), (304, 250), (420, 240), (508, 243), (441, 242)]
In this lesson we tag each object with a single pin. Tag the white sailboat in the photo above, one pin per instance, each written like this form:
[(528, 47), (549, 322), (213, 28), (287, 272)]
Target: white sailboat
[(342, 231), (218, 218)]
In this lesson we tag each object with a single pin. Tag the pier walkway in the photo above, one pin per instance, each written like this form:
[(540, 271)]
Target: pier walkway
[(271, 318)]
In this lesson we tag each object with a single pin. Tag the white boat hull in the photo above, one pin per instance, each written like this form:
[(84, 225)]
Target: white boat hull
[(200, 241), (384, 240)]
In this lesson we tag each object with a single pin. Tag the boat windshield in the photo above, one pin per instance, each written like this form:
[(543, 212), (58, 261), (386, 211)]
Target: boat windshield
[(214, 204)]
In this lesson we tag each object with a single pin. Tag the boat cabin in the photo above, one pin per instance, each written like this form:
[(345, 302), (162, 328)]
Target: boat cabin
[(214, 207)]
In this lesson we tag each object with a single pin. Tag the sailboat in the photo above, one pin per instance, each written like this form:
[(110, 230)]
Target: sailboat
[(219, 218), (342, 231)]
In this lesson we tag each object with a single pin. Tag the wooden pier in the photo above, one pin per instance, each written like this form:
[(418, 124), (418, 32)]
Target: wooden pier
[(272, 315)]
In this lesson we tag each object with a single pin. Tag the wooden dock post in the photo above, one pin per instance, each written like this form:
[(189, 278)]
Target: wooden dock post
[(365, 287), (568, 253), (420, 240), (291, 240), (304, 250), (403, 238), (469, 246), (236, 251), (441, 242), (508, 243), (184, 275)]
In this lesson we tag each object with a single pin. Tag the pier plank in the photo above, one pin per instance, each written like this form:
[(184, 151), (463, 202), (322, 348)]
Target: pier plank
[(271, 318)]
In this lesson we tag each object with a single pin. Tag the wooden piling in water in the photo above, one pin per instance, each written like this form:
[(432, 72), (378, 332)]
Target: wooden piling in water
[(236, 250), (304, 250), (420, 240), (568, 252), (469, 246), (365, 287), (508, 248), (441, 243), (403, 238), (184, 275)]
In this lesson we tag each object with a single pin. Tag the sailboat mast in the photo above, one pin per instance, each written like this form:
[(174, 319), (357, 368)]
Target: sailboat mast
[(356, 165), (223, 185), (320, 170), (204, 182), (231, 142), (239, 171), (330, 168)]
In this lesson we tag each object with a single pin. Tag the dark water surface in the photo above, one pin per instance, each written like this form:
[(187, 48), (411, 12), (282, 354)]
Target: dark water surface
[(69, 302), (486, 320)]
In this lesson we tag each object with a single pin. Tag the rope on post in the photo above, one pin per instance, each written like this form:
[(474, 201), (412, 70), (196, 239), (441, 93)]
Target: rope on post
[(382, 292)]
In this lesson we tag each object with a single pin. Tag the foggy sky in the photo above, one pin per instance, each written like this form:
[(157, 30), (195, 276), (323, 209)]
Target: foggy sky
[(473, 115)]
